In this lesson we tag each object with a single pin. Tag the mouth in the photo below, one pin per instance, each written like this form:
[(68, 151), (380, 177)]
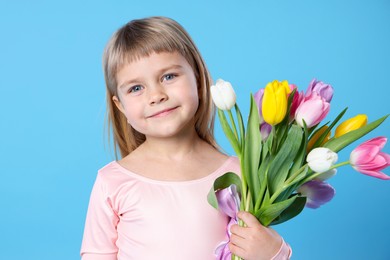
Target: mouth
[(162, 113)]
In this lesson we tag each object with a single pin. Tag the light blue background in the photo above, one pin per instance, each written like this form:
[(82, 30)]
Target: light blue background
[(52, 107)]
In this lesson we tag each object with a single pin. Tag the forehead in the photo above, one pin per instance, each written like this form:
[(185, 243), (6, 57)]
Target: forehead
[(151, 65)]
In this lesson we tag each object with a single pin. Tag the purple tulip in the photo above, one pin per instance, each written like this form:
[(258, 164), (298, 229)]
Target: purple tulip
[(317, 193), (228, 200), (313, 110), (265, 130), (229, 204), (368, 159), (258, 97), (321, 88)]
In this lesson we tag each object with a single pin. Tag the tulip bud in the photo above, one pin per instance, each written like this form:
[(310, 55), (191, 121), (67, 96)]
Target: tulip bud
[(316, 136), (368, 159), (296, 101), (223, 95), (326, 175), (317, 193), (312, 110), (321, 159), (321, 88), (350, 125), (274, 107), (258, 97), (265, 130)]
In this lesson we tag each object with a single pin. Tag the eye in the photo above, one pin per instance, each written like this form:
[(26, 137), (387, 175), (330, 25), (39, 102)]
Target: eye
[(168, 77), (135, 88)]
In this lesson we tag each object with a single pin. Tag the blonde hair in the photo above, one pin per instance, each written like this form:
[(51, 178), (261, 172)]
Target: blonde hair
[(139, 38)]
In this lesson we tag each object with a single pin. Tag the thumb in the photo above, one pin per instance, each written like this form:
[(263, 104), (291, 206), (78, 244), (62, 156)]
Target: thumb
[(249, 219)]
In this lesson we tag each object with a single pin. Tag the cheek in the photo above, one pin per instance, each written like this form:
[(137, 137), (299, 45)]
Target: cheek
[(192, 98), (133, 113)]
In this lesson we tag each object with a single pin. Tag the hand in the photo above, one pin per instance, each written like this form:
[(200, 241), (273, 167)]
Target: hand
[(253, 242)]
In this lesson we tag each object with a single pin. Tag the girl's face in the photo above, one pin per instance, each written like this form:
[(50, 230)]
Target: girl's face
[(158, 95)]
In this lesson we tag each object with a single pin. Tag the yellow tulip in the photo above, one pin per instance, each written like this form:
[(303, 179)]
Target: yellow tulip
[(275, 99), (350, 125), (316, 136)]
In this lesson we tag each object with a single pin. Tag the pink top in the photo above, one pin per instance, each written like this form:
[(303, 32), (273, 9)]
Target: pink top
[(134, 217)]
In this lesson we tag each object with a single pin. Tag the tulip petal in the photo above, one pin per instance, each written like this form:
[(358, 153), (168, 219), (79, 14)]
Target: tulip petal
[(375, 174), (378, 163), (312, 110), (317, 193), (228, 200), (321, 159), (368, 159), (321, 88), (258, 97), (379, 141), (364, 154), (223, 95), (326, 175), (274, 104), (350, 125)]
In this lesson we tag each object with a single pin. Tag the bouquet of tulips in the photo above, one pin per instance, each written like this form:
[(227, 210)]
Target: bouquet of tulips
[(286, 153)]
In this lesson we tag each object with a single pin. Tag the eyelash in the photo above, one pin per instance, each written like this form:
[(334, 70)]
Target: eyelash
[(172, 75), (134, 88)]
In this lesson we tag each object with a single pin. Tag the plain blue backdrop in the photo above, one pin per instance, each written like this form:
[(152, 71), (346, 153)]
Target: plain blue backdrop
[(53, 103)]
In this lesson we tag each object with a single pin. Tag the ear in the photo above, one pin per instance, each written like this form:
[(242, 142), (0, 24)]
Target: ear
[(118, 104)]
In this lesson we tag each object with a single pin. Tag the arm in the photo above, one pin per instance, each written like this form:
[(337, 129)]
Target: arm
[(256, 241), (100, 232)]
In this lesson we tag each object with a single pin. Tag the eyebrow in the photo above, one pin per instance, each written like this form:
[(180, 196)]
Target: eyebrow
[(173, 66)]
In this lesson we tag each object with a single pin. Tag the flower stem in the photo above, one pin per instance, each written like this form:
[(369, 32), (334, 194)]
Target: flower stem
[(313, 176), (243, 182), (290, 181), (339, 164), (234, 125)]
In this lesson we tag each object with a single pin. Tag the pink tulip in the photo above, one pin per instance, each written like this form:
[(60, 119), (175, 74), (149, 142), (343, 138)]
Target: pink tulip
[(368, 159), (297, 99), (312, 110)]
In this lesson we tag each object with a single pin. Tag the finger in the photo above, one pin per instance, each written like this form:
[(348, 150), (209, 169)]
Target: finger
[(238, 241), (236, 250), (249, 219)]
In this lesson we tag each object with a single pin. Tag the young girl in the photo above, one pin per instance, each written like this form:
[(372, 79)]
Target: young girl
[(152, 203)]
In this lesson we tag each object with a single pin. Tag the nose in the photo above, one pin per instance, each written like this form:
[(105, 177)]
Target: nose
[(157, 95)]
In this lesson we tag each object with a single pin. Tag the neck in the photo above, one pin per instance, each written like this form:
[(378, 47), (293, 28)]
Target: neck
[(172, 148)]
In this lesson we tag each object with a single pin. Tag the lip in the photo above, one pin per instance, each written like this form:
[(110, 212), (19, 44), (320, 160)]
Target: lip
[(163, 112)]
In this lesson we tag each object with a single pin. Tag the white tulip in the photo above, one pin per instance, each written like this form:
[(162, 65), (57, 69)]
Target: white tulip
[(223, 95), (321, 159), (326, 175)]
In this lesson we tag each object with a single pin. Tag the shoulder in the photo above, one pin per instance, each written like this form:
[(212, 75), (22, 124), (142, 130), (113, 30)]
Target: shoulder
[(232, 164), (110, 177)]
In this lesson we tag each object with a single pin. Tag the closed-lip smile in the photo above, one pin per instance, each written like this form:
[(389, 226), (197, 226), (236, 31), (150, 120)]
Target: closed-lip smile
[(162, 112)]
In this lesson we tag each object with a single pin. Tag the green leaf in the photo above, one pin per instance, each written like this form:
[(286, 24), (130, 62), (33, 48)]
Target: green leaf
[(267, 145), (223, 182), (229, 132), (336, 144), (252, 151), (270, 212), (262, 174), (301, 155), (240, 124), (279, 167), (292, 211), (325, 133)]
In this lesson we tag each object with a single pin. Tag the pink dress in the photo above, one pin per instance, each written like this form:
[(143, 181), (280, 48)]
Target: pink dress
[(134, 217)]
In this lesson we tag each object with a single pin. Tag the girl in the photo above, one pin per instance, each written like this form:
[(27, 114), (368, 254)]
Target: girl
[(151, 204)]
